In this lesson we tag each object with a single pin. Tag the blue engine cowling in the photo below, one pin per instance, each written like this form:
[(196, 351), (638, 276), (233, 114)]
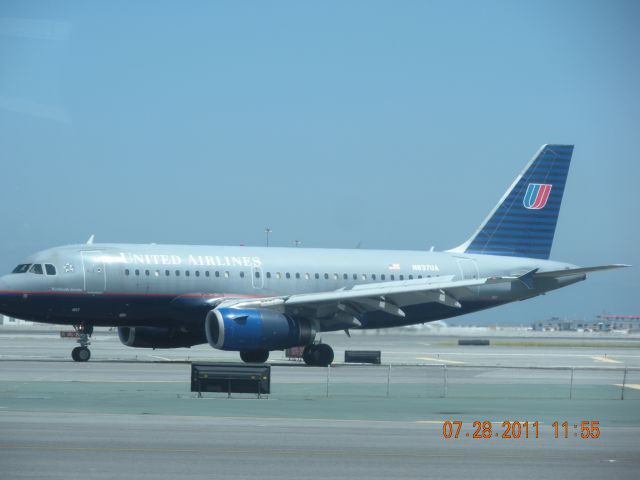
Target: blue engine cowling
[(255, 329), (159, 337)]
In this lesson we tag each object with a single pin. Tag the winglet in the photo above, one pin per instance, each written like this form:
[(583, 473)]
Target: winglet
[(91, 238)]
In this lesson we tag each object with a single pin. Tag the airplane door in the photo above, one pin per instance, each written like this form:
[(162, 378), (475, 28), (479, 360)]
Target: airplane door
[(95, 275), (256, 277), (468, 268)]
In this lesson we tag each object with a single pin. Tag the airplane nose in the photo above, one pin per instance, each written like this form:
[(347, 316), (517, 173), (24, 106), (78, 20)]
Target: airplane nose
[(3, 287)]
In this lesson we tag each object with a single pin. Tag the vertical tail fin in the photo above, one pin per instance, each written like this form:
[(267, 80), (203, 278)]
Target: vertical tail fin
[(523, 223)]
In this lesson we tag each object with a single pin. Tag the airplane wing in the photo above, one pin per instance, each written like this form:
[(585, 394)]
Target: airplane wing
[(345, 305)]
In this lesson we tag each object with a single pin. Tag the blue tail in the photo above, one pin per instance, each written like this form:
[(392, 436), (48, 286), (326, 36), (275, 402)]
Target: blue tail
[(524, 221)]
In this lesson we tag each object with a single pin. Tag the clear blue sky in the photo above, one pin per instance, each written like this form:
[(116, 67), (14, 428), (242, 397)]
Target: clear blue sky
[(394, 124)]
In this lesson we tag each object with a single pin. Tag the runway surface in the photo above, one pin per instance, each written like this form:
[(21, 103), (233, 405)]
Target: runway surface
[(396, 349), (168, 447), (119, 417)]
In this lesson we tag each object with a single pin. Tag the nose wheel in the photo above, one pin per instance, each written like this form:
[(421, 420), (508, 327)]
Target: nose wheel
[(82, 353)]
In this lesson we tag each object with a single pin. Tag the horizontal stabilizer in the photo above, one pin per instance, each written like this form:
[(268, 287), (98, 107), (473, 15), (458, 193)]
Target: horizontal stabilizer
[(577, 271)]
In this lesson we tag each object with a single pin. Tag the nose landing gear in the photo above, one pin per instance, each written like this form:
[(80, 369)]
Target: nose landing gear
[(82, 353)]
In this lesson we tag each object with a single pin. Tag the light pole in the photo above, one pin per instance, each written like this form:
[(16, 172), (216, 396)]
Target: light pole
[(268, 232)]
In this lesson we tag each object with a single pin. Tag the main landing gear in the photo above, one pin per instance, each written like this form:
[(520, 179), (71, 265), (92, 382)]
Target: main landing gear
[(315, 355), (318, 355), (82, 353)]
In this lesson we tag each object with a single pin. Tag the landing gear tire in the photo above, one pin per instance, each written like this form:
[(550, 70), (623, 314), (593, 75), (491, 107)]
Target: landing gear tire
[(255, 356), (320, 355), (81, 354)]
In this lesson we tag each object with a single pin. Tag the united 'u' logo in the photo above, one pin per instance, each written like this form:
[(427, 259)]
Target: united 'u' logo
[(536, 196)]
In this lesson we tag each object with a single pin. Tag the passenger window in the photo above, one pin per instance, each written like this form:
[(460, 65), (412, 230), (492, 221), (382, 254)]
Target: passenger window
[(355, 276), (187, 273), (345, 276), (317, 276), (257, 274), (50, 269), (22, 268), (167, 273), (268, 274), (373, 276), (157, 273), (177, 273), (297, 275), (226, 274), (410, 277), (335, 276), (392, 276), (197, 273), (137, 272), (217, 273), (278, 275), (364, 276), (207, 273), (241, 274), (37, 269), (306, 276), (326, 276), (288, 275), (126, 272), (419, 276), (401, 277), (146, 272), (382, 277)]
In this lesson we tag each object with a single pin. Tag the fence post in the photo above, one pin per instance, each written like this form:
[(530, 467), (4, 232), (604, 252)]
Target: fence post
[(445, 381), (388, 379), (571, 385), (328, 378), (624, 382)]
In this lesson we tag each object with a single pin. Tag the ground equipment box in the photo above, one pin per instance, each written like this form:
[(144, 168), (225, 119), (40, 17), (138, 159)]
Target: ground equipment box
[(230, 378), (363, 356)]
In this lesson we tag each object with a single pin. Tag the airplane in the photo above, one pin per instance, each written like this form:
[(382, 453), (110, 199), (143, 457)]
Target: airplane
[(256, 299)]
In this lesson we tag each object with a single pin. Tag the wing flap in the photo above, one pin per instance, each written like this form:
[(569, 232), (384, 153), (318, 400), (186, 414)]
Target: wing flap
[(373, 290)]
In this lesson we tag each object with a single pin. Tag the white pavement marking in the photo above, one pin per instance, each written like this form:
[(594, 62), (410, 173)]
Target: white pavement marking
[(635, 386), (431, 359), (604, 358), (159, 357)]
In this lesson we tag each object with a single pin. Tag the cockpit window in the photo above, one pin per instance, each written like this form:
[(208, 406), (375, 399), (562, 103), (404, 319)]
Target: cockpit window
[(22, 268), (50, 269), (36, 268)]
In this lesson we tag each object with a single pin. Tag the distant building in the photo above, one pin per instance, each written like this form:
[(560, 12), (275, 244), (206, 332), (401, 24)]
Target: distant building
[(8, 321), (602, 323)]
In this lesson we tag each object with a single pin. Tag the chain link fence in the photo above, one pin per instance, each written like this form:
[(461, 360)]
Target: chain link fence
[(459, 381)]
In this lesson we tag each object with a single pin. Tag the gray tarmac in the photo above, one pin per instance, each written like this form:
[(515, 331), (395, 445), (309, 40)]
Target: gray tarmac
[(130, 413), (588, 351)]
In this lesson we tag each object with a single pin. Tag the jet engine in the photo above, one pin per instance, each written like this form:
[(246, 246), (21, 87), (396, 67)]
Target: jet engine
[(159, 337), (255, 329)]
